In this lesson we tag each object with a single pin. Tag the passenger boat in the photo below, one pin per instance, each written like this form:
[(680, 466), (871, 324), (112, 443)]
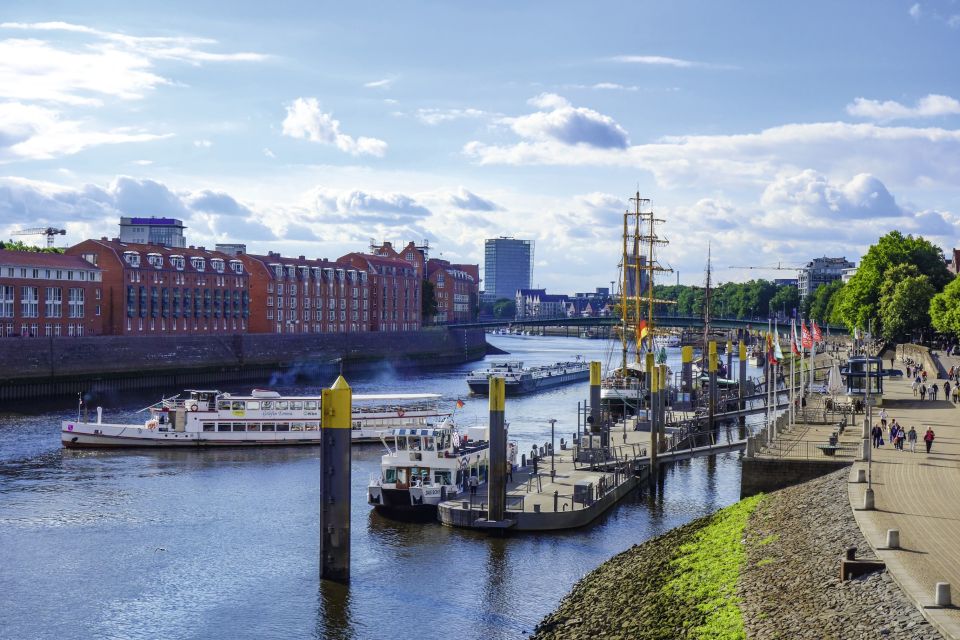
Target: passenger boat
[(518, 380), (265, 417), (668, 340), (424, 467)]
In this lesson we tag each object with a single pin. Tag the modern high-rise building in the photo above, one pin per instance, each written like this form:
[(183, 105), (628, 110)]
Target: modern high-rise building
[(507, 267), (167, 232), (821, 271)]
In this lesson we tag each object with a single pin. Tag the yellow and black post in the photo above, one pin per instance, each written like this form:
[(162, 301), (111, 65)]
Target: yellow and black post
[(742, 373), (595, 416), (336, 407), (686, 377), (653, 377), (497, 473), (664, 401), (712, 370), (729, 360)]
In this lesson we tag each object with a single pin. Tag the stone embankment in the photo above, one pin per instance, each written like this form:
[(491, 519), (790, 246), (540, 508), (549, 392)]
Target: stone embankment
[(767, 567)]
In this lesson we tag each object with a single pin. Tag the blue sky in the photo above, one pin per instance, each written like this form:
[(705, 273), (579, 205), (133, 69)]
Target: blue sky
[(775, 133)]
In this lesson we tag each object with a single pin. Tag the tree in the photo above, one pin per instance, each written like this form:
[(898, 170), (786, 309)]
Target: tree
[(945, 309), (819, 304), (505, 309), (428, 302), (785, 300), (860, 301), (905, 305), (19, 245)]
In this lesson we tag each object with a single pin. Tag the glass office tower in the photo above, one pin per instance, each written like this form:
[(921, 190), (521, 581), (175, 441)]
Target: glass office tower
[(507, 266)]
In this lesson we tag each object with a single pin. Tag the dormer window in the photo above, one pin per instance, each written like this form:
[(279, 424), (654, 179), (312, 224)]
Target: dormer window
[(155, 260), (277, 269), (316, 272), (177, 261), (216, 264), (340, 274), (237, 266), (198, 263), (291, 272), (328, 274), (132, 258)]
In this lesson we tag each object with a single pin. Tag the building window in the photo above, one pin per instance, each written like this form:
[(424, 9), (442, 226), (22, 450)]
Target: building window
[(6, 302), (75, 302), (53, 304), (29, 302)]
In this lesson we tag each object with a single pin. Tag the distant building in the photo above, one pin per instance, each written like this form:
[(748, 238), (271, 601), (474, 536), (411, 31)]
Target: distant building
[(847, 274), (537, 303), (590, 304), (49, 294), (150, 289), (507, 267), (396, 285), (953, 264), (780, 282), (456, 289), (167, 232), (821, 271), (231, 249)]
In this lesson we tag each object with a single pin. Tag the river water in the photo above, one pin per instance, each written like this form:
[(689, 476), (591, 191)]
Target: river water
[(223, 543)]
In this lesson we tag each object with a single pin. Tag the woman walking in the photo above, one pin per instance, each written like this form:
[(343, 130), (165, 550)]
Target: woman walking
[(928, 438)]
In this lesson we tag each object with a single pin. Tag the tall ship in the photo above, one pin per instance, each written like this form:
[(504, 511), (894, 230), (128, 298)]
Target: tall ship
[(623, 390), (264, 417), (424, 467), (518, 379)]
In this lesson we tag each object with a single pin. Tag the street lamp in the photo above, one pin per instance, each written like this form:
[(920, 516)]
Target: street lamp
[(553, 470)]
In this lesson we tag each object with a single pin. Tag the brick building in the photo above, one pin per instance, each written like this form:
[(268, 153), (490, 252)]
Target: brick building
[(49, 294), (151, 289), (300, 295), (537, 303), (395, 286), (456, 288)]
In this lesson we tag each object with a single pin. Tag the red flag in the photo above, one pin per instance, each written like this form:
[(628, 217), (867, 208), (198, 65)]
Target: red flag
[(806, 340), (817, 336), (771, 354), (793, 346), (459, 403)]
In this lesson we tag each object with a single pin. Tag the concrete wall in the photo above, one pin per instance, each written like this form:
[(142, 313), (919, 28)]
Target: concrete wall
[(762, 475), (930, 363), (34, 367)]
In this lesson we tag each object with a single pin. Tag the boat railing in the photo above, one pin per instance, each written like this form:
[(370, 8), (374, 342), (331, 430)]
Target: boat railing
[(621, 383), (375, 480)]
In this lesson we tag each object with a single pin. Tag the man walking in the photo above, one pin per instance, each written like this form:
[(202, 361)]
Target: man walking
[(928, 438), (912, 439), (877, 434), (933, 391)]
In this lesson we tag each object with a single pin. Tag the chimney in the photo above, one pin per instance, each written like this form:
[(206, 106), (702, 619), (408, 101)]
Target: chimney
[(303, 257)]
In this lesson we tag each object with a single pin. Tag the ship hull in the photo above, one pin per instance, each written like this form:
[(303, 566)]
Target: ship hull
[(531, 385)]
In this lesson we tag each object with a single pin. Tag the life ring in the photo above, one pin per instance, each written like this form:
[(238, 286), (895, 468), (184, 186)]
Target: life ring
[(194, 407), (151, 424)]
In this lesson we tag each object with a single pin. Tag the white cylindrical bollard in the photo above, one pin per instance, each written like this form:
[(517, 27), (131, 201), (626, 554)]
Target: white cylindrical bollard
[(943, 594), (893, 538), (861, 475), (99, 415), (868, 500), (866, 451)]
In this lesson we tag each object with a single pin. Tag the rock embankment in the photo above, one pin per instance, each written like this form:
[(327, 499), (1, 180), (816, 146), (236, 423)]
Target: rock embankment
[(790, 584), (767, 567)]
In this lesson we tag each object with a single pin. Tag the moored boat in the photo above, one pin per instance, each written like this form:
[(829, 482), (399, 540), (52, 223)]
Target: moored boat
[(519, 379)]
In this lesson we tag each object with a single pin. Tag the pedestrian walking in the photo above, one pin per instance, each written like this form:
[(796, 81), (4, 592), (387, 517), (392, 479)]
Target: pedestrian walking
[(956, 393), (933, 391), (883, 418), (916, 385), (923, 391), (912, 439), (946, 390), (473, 486), (923, 374), (877, 434), (928, 438)]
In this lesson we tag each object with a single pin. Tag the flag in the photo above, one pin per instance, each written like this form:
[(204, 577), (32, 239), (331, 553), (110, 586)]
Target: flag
[(643, 329), (806, 339), (817, 336), (459, 403), (777, 353), (771, 354), (793, 345)]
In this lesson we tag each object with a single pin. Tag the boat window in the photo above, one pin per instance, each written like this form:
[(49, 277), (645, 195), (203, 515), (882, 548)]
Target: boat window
[(402, 477), (296, 405), (223, 426), (209, 426), (281, 405), (296, 426), (415, 443), (267, 426), (223, 405), (283, 426), (429, 443), (239, 426), (238, 405), (356, 424), (253, 426), (253, 405), (311, 426), (310, 405), (441, 477), (266, 405), (390, 475), (401, 443)]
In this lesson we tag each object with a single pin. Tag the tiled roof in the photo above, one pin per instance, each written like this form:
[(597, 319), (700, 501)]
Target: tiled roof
[(51, 260)]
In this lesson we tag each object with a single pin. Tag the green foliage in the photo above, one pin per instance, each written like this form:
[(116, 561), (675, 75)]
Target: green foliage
[(428, 301), (905, 306), (706, 572), (505, 309), (19, 245), (755, 298), (821, 303), (945, 309), (860, 301)]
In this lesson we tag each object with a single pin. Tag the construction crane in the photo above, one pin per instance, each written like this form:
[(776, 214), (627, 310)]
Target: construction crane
[(45, 231), (776, 267)]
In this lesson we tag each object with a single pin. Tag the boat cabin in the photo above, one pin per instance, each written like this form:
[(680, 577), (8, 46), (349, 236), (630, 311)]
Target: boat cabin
[(865, 374)]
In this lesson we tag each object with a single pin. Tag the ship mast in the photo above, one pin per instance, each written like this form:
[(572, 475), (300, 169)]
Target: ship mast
[(623, 292), (706, 307), (649, 265)]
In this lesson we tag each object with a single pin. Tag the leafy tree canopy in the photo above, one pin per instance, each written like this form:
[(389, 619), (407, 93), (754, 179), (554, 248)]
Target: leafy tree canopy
[(18, 245), (945, 309)]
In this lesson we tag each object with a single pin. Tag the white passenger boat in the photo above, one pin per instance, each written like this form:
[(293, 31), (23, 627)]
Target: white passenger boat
[(424, 467), (212, 418)]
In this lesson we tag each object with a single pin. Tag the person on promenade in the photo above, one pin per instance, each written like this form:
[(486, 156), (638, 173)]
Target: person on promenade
[(923, 391), (923, 374), (916, 385), (928, 438), (933, 391), (912, 439), (877, 434), (946, 390), (883, 418)]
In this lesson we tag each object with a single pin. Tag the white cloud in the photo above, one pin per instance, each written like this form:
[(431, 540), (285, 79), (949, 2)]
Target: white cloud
[(470, 201), (362, 207), (267, 152), (306, 121), (202, 144), (143, 163), (436, 116), (385, 83), (666, 61), (915, 11), (28, 131), (954, 21), (811, 195), (929, 106), (563, 123)]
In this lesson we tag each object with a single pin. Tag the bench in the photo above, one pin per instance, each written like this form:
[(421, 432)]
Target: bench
[(829, 449)]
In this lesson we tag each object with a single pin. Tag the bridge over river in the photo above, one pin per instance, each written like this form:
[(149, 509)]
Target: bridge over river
[(671, 321)]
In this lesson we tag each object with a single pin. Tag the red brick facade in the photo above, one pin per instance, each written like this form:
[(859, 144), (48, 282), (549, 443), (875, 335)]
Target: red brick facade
[(158, 290), (299, 295), (395, 288), (456, 288), (49, 294)]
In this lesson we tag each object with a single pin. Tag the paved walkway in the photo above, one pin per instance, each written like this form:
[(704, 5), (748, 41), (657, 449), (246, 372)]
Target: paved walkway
[(919, 494)]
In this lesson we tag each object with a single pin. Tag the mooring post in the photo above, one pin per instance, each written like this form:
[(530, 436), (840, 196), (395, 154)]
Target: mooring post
[(664, 400), (497, 477), (654, 384), (686, 376), (336, 406), (742, 373), (729, 359), (595, 397), (712, 369)]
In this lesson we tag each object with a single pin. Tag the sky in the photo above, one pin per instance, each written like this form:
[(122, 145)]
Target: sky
[(771, 133)]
